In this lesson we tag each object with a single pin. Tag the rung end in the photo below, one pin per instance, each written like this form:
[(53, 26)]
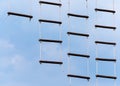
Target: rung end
[(106, 59), (78, 34), (49, 40)]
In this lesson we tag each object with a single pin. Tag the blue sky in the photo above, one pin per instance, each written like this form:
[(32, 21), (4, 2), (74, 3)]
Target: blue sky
[(19, 46)]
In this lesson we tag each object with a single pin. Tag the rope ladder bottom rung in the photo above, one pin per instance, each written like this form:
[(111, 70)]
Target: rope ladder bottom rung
[(49, 40), (76, 15), (50, 21), (107, 43), (78, 34), (50, 62), (104, 10), (104, 76), (50, 3), (18, 14), (80, 55), (106, 59), (78, 76)]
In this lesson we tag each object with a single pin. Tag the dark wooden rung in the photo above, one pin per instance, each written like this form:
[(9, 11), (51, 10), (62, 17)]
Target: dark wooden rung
[(80, 55), (50, 21), (104, 76), (48, 40), (76, 15), (107, 27), (50, 62), (18, 14), (104, 10), (50, 3), (108, 43), (106, 59), (78, 34), (78, 76)]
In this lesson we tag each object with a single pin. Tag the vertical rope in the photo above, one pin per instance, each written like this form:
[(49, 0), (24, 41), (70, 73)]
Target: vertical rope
[(40, 35), (69, 65), (96, 65)]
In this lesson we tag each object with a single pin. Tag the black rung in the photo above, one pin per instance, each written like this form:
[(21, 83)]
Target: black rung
[(50, 21), (18, 14), (107, 27), (78, 76), (104, 76), (101, 42), (80, 55), (50, 62), (48, 40), (76, 15), (106, 59), (104, 10), (51, 3), (78, 34)]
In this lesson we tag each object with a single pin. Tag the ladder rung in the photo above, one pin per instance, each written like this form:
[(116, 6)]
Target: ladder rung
[(50, 21), (80, 55), (51, 3), (101, 42), (48, 40), (104, 10), (104, 76), (76, 15), (50, 62), (79, 34), (107, 27), (18, 14), (106, 59), (78, 76)]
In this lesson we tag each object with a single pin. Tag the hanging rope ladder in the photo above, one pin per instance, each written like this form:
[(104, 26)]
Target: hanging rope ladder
[(41, 40), (72, 33), (99, 59)]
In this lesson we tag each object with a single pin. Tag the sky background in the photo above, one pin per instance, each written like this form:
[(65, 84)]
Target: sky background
[(20, 49)]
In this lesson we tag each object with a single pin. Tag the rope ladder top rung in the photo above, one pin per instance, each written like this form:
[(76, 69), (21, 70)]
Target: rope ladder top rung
[(108, 43), (107, 27), (50, 3), (104, 10), (106, 59), (104, 76), (49, 40), (50, 21), (50, 62), (80, 55), (78, 76), (78, 34), (18, 14), (76, 15)]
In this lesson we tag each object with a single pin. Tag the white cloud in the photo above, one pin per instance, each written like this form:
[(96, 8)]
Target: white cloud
[(5, 44)]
